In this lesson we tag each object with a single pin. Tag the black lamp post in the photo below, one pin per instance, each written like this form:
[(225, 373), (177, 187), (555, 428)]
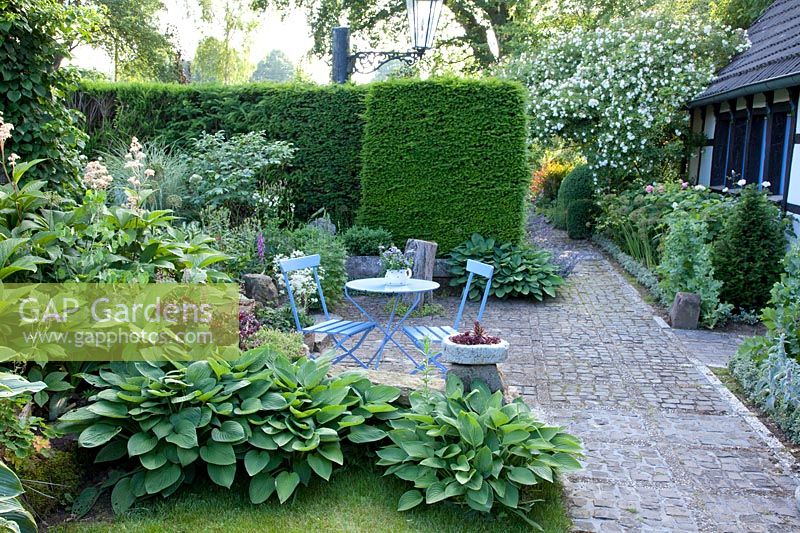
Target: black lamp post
[(423, 16)]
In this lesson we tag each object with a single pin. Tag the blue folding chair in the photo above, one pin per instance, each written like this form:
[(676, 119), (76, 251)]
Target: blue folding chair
[(339, 330), (435, 335)]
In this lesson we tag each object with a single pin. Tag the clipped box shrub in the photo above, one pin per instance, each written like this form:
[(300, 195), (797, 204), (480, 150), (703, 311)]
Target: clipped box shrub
[(324, 124), (578, 185), (580, 217), (445, 158)]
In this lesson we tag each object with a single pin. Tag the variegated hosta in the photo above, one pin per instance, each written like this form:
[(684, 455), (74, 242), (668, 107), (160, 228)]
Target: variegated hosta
[(281, 421), (474, 450)]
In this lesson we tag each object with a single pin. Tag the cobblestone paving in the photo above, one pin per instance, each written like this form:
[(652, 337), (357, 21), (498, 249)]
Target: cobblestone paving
[(666, 448), (710, 347)]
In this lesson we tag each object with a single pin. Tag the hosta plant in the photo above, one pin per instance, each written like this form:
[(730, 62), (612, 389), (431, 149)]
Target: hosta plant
[(520, 271), (469, 448), (278, 422)]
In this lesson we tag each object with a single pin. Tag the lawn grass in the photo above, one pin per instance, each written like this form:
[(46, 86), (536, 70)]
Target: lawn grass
[(355, 499), (727, 379)]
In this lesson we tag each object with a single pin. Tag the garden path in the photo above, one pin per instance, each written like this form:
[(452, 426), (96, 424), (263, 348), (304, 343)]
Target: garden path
[(668, 448)]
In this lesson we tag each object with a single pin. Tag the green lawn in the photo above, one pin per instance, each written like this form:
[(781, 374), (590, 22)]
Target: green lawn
[(354, 500)]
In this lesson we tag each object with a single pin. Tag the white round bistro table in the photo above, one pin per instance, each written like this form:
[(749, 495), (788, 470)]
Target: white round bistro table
[(417, 287)]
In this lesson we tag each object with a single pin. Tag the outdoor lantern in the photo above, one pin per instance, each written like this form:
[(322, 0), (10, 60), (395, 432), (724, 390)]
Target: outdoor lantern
[(423, 16)]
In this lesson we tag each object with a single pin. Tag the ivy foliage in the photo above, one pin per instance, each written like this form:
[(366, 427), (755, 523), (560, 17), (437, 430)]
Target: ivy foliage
[(34, 88), (443, 159), (323, 123), (278, 422)]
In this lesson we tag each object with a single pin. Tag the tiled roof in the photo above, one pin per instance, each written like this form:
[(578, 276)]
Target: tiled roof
[(775, 51)]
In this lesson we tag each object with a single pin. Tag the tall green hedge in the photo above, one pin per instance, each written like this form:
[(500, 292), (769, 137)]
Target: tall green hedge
[(325, 123), (444, 159)]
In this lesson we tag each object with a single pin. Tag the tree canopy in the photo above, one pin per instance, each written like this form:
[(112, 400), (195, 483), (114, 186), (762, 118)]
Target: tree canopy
[(275, 67), (129, 33)]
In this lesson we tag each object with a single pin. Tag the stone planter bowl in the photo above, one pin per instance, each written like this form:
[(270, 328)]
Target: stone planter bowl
[(476, 354)]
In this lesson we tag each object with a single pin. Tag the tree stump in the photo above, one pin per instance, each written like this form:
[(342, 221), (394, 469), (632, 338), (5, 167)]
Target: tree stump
[(424, 254)]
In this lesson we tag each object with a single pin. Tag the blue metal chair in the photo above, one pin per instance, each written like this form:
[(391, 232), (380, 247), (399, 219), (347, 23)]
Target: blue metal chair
[(339, 330), (435, 335)]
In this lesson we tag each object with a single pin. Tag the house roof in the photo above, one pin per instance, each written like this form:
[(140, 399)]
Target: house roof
[(772, 62)]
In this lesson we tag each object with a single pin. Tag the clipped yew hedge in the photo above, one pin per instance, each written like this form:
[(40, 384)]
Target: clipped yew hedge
[(444, 159), (325, 123), (438, 159)]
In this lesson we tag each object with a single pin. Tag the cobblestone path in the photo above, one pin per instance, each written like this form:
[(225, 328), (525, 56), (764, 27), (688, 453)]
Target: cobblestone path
[(668, 448)]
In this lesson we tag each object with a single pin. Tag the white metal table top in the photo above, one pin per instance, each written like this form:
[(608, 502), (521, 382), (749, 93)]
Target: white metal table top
[(379, 285)]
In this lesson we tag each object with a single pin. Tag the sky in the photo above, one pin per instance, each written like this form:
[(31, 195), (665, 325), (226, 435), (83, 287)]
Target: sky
[(291, 34)]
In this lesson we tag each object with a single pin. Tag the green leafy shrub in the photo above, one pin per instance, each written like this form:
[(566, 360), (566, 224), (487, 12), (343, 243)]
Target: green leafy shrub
[(324, 123), (360, 240), (332, 259), (471, 449), (282, 421), (281, 318), (547, 180), (240, 241), (445, 158), (13, 516), (93, 242), (748, 252), (580, 217), (577, 185), (287, 343), (519, 271), (235, 173), (767, 366), (635, 219), (782, 317), (686, 267), (21, 435)]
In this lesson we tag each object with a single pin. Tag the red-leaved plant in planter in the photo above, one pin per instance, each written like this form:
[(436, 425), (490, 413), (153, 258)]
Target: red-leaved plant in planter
[(476, 336)]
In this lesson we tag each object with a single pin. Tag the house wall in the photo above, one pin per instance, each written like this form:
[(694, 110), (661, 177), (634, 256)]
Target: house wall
[(700, 163)]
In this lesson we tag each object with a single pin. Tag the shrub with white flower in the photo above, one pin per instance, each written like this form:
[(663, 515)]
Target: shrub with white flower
[(302, 281), (619, 91)]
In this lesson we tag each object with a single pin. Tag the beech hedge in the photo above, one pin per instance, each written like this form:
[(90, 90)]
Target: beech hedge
[(444, 159), (325, 124)]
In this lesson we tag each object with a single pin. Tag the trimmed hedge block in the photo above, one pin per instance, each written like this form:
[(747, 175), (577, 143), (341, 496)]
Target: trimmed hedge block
[(325, 124), (444, 159), (580, 216)]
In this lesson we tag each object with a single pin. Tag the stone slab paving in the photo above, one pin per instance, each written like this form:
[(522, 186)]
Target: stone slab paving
[(667, 447)]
